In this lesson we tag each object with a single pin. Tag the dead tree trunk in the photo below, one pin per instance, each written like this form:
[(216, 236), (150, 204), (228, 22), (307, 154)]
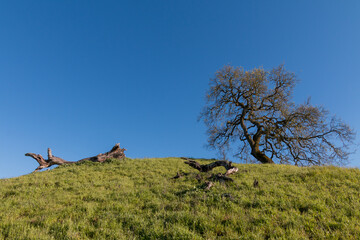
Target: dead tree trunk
[(115, 152), (230, 169)]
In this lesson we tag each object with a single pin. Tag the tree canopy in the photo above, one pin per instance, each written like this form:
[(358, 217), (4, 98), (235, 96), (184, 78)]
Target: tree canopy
[(254, 111)]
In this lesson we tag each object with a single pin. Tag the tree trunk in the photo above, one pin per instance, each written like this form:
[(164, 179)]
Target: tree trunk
[(230, 169), (115, 152), (260, 156)]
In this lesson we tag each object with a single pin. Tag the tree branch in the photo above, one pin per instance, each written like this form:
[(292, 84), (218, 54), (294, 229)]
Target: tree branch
[(230, 169), (115, 152)]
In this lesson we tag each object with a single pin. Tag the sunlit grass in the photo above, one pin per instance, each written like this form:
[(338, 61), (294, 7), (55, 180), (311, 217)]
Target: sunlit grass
[(137, 199)]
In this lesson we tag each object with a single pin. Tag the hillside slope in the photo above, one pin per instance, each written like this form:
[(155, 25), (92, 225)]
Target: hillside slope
[(137, 199)]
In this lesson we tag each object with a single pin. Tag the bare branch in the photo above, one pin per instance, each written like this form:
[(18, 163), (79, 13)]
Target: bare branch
[(254, 108), (115, 152)]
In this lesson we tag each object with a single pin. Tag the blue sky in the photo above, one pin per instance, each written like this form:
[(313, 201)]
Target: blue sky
[(80, 76)]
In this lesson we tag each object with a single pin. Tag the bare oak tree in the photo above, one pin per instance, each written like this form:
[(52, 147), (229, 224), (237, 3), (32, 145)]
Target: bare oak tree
[(254, 109)]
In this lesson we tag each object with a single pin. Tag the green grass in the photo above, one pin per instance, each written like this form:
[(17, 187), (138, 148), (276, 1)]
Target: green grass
[(137, 199)]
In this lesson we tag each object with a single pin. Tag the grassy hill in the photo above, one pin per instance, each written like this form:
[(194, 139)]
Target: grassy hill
[(137, 199)]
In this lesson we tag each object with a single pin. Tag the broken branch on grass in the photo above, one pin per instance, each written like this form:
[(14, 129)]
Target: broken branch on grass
[(230, 169), (115, 152)]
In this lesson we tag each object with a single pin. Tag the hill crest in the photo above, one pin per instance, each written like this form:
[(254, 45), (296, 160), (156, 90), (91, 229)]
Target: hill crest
[(138, 199)]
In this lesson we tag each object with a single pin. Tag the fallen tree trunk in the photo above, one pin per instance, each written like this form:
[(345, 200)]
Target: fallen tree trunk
[(230, 169), (115, 152)]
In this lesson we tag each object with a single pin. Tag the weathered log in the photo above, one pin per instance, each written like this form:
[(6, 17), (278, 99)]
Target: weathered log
[(230, 169), (115, 152)]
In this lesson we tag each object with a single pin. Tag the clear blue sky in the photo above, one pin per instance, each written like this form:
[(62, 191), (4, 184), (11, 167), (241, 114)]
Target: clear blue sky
[(80, 76)]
